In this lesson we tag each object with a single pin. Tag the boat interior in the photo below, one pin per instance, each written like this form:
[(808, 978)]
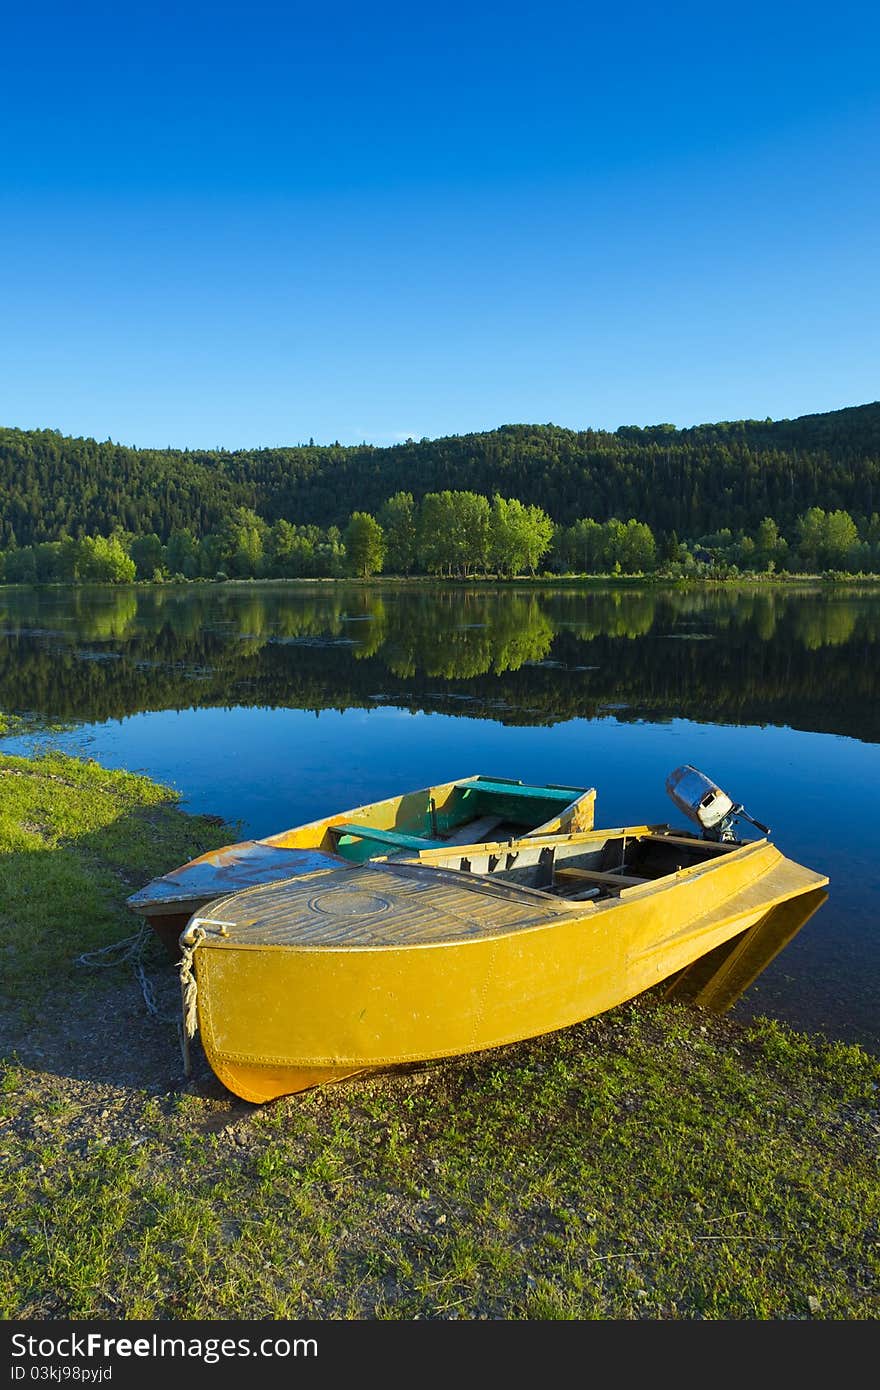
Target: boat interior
[(583, 867), (467, 812)]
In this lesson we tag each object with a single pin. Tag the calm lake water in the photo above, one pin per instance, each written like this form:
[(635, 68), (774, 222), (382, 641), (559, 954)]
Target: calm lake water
[(274, 705)]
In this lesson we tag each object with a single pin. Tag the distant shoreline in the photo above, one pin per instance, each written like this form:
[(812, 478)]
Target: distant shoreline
[(422, 581)]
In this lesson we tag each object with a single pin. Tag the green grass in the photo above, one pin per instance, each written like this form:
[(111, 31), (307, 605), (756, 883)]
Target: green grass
[(75, 840), (656, 1162)]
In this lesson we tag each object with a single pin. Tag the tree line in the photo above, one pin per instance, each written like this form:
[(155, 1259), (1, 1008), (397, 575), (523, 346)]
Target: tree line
[(450, 534), (686, 483)]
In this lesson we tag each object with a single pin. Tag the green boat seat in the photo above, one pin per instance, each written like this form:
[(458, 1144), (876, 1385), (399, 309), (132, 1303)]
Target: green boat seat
[(521, 791), (388, 837)]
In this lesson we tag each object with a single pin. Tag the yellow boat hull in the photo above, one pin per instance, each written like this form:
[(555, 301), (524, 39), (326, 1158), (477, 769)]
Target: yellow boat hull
[(443, 969)]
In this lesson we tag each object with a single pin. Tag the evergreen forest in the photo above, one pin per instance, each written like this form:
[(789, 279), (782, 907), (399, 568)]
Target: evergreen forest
[(799, 495)]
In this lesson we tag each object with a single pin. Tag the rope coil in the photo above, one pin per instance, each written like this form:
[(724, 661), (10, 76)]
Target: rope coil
[(117, 953)]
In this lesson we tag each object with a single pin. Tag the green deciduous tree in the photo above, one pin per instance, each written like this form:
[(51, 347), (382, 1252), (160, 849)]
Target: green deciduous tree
[(638, 549), (453, 533), (827, 540), (398, 521), (770, 548), (840, 539), (811, 532), (148, 554), (103, 560), (519, 535), (182, 553), (609, 547), (237, 544), (364, 544)]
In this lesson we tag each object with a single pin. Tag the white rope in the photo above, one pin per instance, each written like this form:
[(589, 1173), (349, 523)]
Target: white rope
[(188, 987), (190, 941)]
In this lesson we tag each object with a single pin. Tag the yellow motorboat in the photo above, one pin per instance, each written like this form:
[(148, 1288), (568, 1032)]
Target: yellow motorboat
[(366, 965), (462, 812)]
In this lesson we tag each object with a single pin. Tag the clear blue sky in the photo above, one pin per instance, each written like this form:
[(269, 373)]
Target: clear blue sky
[(251, 224)]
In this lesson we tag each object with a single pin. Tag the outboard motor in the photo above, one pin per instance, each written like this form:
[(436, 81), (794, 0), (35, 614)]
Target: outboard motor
[(706, 804)]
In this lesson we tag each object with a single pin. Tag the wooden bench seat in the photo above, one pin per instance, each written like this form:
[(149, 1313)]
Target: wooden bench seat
[(596, 876), (707, 847), (474, 831)]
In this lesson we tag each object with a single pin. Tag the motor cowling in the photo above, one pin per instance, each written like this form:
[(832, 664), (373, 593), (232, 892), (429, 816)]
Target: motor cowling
[(703, 802), (699, 798)]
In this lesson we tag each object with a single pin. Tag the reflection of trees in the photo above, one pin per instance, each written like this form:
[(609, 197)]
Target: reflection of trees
[(776, 656), (527, 635), (820, 620), (372, 620), (253, 623), (764, 617), (459, 640), (308, 616), (110, 617), (608, 613), (828, 624)]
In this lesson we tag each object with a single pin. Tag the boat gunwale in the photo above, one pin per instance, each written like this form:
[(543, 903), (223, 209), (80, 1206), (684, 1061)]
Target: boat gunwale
[(334, 818), (563, 911), (428, 858), (340, 816)]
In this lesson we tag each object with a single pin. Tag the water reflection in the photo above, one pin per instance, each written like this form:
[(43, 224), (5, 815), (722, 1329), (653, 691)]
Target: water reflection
[(807, 659), (719, 979)]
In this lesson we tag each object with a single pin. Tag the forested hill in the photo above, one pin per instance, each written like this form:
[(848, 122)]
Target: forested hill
[(691, 481)]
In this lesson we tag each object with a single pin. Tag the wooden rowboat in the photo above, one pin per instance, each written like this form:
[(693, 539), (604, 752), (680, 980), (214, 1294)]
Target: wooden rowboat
[(362, 966), (465, 811)]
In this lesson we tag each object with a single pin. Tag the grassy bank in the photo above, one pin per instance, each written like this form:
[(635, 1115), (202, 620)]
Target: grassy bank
[(653, 1163)]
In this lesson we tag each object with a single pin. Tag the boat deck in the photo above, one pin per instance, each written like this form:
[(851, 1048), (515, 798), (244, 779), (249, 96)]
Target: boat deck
[(231, 869), (379, 905)]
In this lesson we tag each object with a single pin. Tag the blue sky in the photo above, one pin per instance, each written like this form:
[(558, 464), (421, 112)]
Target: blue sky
[(245, 225)]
